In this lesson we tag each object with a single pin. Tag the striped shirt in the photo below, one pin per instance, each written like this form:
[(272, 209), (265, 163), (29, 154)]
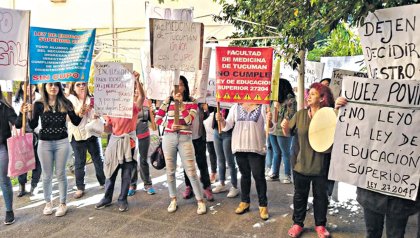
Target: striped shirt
[(186, 116)]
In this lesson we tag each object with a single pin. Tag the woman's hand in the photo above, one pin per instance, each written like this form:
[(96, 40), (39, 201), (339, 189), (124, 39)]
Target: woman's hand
[(176, 127), (219, 117), (25, 107), (84, 109), (340, 102), (285, 127), (269, 116), (178, 97)]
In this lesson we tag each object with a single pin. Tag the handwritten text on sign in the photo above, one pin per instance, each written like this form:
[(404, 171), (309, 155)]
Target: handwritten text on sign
[(176, 44), (337, 78), (60, 55), (391, 44), (376, 146), (114, 89), (243, 74), (14, 29)]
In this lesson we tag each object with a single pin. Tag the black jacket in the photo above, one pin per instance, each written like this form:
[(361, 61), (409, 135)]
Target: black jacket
[(7, 115)]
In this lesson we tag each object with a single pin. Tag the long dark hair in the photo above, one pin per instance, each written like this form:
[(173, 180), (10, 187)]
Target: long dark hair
[(186, 94), (62, 103), (3, 100), (285, 88), (19, 93)]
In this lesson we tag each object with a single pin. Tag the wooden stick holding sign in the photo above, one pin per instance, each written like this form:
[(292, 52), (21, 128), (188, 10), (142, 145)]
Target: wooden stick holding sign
[(218, 122), (25, 94), (176, 91)]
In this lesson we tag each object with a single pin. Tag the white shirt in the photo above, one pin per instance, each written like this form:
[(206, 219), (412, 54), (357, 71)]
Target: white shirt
[(209, 130), (79, 132)]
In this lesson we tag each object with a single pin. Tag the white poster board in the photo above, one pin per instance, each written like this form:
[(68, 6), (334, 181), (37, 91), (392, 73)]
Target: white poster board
[(313, 73), (353, 63), (114, 89), (6, 86), (391, 42), (199, 90), (376, 143), (14, 36), (337, 78)]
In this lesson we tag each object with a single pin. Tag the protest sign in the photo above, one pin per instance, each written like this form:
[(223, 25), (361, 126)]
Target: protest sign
[(199, 91), (159, 84), (353, 63), (391, 44), (114, 89), (376, 144), (275, 80), (313, 73), (176, 45), (243, 74), (60, 55), (14, 35), (337, 78), (6, 86)]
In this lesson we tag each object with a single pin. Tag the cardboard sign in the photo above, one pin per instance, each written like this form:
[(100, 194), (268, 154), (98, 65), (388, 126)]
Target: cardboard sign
[(14, 30), (353, 63), (376, 144), (114, 89), (199, 90), (243, 75), (313, 73), (391, 43), (176, 45), (60, 55), (321, 129), (337, 78)]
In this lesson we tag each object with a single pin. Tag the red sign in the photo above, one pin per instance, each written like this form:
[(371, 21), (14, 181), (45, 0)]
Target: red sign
[(243, 75)]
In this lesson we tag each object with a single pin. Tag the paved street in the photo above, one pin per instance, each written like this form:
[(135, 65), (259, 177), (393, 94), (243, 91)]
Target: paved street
[(147, 216)]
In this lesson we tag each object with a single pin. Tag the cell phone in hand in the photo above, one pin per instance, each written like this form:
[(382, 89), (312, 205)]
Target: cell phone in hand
[(92, 102)]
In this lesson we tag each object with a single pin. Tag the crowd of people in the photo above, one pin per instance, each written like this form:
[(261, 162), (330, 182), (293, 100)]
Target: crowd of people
[(61, 123)]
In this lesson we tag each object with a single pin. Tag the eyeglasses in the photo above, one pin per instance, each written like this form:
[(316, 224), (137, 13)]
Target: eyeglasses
[(81, 85)]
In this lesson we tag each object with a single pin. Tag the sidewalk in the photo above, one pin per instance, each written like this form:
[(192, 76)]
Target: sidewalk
[(147, 215)]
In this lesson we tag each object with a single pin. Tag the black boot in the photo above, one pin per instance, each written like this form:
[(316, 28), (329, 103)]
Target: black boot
[(10, 218), (22, 191)]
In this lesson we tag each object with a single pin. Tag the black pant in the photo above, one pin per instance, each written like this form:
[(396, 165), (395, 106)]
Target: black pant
[(213, 157), (302, 185), (395, 225), (255, 163), (36, 173), (201, 160), (80, 148), (126, 169)]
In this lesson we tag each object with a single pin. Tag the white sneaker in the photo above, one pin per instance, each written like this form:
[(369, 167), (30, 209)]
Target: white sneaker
[(201, 208), (233, 192), (61, 210), (48, 209), (220, 189), (287, 180), (173, 206)]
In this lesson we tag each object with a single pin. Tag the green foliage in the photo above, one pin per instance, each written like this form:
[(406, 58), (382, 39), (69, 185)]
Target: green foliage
[(341, 42)]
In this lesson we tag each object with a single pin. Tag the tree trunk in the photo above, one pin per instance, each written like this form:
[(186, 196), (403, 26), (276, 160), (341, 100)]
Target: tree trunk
[(301, 80)]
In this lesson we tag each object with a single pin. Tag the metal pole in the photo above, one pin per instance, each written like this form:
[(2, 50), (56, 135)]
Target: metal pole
[(114, 40)]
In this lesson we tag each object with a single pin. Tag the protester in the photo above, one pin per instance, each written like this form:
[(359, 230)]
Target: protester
[(199, 142), (280, 142), (82, 140), (143, 137), (122, 152), (325, 81), (178, 139), (380, 208), (32, 90), (309, 166), (7, 115), (223, 148), (53, 147), (248, 145), (210, 145)]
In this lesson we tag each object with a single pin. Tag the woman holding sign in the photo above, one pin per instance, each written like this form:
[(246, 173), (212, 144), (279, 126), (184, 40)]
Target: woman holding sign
[(178, 139), (380, 208), (248, 146), (53, 146), (7, 115), (310, 166), (82, 140)]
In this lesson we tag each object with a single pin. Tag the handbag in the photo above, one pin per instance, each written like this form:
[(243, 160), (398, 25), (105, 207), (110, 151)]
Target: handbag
[(21, 153), (157, 159), (95, 127)]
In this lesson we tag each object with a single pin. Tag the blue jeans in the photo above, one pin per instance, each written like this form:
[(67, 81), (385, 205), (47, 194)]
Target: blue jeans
[(172, 143), (269, 155), (281, 151), (93, 145), (52, 154), (5, 184), (223, 147)]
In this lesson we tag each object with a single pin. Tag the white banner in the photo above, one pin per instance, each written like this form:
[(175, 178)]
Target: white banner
[(6, 86), (114, 89), (14, 35), (199, 90), (313, 73), (337, 78), (390, 40), (376, 144), (353, 63)]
